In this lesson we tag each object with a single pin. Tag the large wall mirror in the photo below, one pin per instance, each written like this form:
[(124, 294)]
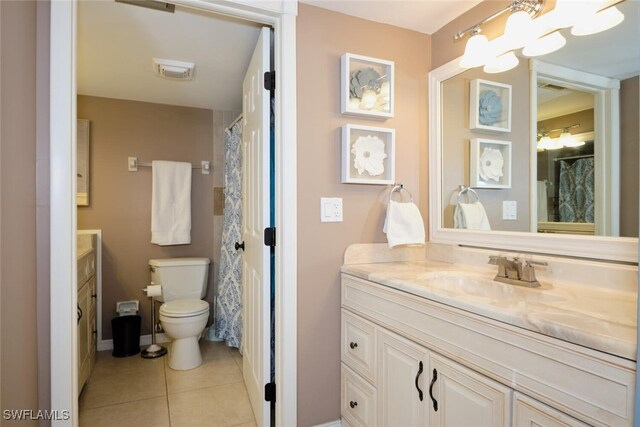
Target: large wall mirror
[(543, 157)]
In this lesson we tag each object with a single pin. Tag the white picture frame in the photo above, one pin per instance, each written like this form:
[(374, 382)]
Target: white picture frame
[(367, 86), (82, 174), (489, 106), (490, 163), (368, 155)]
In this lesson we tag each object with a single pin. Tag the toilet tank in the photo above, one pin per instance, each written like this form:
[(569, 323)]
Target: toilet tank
[(180, 278)]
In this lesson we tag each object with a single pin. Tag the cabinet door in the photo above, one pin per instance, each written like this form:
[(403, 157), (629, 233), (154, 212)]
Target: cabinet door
[(84, 332), (402, 370), (460, 397), (528, 412)]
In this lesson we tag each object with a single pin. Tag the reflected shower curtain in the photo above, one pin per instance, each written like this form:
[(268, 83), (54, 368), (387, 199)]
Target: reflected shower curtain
[(576, 191), (228, 316)]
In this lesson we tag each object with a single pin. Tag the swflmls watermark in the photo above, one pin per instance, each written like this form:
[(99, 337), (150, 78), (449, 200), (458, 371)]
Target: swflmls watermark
[(32, 414)]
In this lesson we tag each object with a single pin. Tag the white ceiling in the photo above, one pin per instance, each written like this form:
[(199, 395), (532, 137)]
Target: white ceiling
[(116, 44), (425, 16), (556, 103)]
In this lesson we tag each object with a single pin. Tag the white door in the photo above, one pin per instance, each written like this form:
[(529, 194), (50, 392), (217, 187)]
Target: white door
[(255, 218), (465, 398), (403, 370)]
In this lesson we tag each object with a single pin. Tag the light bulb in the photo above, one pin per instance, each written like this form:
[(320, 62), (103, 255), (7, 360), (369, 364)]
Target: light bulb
[(555, 145), (545, 143), (385, 91), (369, 98), (568, 140), (598, 22), (502, 63), (569, 12), (518, 29), (544, 45), (475, 52)]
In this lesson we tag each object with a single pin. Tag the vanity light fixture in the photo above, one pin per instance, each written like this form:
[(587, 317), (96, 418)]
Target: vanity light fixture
[(564, 140), (536, 35)]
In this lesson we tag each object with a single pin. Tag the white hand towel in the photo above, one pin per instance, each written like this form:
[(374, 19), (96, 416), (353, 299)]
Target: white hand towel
[(171, 203), (471, 216), (403, 224)]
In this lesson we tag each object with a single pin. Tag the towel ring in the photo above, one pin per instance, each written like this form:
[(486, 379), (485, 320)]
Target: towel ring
[(466, 190), (400, 188)]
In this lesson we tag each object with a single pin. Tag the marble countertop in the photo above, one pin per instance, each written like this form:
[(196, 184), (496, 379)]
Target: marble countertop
[(600, 318)]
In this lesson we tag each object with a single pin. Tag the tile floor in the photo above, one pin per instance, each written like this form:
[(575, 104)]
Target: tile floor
[(133, 391)]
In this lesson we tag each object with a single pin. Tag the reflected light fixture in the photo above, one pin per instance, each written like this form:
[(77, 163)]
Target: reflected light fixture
[(545, 44), (598, 22), (536, 35), (504, 62), (568, 140), (476, 51)]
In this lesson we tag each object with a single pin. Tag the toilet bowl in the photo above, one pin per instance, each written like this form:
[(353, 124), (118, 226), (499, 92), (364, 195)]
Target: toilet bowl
[(183, 321)]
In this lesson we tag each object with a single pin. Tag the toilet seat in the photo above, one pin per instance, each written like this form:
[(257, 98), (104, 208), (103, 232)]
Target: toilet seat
[(184, 308)]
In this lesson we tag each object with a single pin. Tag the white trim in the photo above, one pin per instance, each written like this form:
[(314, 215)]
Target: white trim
[(144, 340), (608, 248), (63, 216), (64, 346), (336, 423)]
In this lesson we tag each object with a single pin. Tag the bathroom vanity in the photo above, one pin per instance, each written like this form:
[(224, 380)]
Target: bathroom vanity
[(426, 342), (86, 310)]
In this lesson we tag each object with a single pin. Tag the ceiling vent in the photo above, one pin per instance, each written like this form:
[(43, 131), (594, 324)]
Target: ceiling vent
[(551, 86), (174, 70)]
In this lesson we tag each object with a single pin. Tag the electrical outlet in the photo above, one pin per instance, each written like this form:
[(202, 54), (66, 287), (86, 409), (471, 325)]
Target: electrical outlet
[(330, 209), (510, 210)]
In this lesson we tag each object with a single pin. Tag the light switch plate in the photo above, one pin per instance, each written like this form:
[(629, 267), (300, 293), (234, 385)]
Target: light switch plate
[(330, 209), (509, 210)]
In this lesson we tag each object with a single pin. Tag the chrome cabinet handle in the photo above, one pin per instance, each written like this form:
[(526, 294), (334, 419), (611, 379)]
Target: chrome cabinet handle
[(433, 399), (353, 345), (353, 404), (420, 368)]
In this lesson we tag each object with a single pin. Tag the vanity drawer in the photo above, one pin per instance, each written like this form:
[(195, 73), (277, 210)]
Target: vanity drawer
[(358, 399), (359, 345), (530, 412)]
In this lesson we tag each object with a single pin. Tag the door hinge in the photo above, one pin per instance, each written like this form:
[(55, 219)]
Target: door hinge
[(270, 80), (270, 392), (270, 236)]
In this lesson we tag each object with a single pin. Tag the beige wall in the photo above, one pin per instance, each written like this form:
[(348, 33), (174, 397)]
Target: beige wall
[(18, 348), (323, 36), (456, 136), (120, 200), (629, 164)]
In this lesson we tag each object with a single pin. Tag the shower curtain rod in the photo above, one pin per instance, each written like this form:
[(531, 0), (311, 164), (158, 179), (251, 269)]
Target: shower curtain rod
[(234, 122), (585, 156)]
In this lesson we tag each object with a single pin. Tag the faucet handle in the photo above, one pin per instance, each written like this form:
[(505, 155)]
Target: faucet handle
[(530, 263)]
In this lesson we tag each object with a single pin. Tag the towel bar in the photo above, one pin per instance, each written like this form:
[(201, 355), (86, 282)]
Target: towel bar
[(133, 164), (465, 190), (399, 188)]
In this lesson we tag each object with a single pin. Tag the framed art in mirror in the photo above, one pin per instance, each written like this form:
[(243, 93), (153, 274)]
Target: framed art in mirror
[(82, 175), (368, 155), (490, 163), (489, 106), (367, 87)]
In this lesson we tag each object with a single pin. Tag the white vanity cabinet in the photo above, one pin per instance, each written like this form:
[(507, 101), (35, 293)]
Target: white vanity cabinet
[(86, 315), (398, 347)]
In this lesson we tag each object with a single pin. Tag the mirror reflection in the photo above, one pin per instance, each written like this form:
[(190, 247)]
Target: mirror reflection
[(550, 146)]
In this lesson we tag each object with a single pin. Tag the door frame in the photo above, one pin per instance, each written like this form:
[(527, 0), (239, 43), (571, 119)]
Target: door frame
[(281, 15)]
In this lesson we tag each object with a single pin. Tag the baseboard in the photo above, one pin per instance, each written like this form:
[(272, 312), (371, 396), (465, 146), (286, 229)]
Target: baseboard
[(336, 423), (144, 340)]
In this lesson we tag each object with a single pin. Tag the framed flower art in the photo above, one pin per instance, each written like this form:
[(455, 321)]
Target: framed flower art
[(489, 106), (368, 155), (490, 163), (366, 87)]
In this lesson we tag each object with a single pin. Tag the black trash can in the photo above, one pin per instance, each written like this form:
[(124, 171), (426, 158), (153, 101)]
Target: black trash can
[(126, 335)]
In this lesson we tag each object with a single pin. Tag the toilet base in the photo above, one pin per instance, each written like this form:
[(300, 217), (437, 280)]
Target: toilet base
[(185, 354)]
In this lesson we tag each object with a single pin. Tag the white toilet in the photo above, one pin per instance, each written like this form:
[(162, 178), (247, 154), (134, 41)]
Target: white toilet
[(183, 315)]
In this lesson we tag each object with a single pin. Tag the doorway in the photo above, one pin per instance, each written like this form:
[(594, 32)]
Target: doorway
[(63, 185)]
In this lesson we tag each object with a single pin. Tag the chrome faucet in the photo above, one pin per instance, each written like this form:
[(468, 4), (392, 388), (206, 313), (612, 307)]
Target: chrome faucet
[(516, 272)]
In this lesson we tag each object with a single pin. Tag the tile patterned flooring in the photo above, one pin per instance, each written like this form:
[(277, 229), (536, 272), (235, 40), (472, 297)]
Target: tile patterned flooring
[(133, 391)]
